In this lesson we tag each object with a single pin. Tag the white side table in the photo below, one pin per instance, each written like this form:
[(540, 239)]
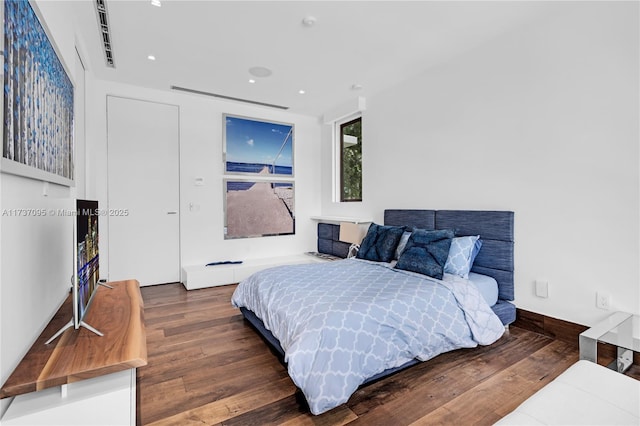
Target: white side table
[(620, 329)]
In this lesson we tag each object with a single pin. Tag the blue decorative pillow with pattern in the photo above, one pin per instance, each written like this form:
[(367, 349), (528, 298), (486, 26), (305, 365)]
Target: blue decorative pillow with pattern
[(380, 243), (462, 254), (426, 252)]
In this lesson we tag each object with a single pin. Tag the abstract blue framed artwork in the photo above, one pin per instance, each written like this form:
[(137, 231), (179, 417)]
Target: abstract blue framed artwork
[(257, 147), (38, 100)]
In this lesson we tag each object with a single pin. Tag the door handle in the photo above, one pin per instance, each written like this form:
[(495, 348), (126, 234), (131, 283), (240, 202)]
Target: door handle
[(172, 212)]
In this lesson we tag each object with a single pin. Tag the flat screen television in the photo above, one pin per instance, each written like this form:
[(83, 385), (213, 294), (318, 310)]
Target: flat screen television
[(86, 270)]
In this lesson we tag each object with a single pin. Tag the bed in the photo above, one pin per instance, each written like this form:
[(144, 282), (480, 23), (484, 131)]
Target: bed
[(339, 325)]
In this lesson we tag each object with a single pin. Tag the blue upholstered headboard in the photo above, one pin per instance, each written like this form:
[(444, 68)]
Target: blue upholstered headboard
[(494, 259), (494, 227)]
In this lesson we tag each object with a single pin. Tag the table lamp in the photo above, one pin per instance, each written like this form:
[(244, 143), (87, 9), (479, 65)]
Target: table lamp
[(352, 233)]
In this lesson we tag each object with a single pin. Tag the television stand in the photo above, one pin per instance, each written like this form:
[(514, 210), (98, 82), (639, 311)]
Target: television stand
[(104, 284), (81, 324), (69, 325), (88, 327)]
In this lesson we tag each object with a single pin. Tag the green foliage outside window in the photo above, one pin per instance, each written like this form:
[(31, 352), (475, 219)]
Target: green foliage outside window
[(351, 160)]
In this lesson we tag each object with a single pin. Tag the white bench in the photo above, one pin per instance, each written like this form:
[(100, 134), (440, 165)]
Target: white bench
[(201, 276), (585, 394)]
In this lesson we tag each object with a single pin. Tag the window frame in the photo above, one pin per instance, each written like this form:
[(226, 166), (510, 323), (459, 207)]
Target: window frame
[(339, 125)]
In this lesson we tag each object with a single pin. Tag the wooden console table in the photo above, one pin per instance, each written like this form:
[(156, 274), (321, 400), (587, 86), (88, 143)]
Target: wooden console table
[(80, 355)]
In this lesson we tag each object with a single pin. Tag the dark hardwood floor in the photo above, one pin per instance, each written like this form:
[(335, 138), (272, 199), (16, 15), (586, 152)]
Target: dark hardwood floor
[(207, 366)]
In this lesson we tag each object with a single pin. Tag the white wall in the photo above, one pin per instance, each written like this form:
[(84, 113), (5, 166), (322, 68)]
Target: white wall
[(542, 121), (201, 233), (35, 252)]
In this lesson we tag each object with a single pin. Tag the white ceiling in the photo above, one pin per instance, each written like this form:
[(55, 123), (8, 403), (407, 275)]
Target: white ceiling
[(210, 45)]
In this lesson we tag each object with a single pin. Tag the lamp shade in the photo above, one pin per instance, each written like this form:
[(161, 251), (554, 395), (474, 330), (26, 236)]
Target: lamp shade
[(351, 232)]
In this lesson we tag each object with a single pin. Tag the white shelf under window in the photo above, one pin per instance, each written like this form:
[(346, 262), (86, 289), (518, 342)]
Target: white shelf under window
[(337, 219)]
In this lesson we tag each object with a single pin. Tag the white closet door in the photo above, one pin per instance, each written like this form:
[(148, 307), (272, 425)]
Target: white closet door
[(143, 192)]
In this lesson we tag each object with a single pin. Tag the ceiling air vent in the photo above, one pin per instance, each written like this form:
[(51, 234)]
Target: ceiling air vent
[(229, 98), (101, 8)]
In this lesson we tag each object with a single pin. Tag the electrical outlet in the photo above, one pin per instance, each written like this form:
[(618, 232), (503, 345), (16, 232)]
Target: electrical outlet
[(603, 301)]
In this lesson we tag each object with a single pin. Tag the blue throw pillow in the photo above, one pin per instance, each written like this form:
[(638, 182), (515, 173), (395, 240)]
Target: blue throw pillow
[(461, 255), (379, 245), (426, 252)]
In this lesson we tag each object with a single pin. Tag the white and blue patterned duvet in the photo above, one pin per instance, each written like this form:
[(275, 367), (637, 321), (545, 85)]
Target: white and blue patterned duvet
[(342, 322)]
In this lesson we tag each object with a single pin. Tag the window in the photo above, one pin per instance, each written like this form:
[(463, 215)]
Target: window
[(350, 136)]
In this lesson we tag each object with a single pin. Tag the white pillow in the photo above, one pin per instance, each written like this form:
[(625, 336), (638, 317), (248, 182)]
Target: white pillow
[(403, 243)]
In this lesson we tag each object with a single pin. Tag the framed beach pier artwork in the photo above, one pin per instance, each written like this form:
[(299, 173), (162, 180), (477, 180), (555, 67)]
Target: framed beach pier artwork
[(257, 147), (38, 100), (258, 208)]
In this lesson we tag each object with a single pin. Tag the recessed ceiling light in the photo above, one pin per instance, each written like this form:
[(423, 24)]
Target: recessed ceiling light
[(151, 58), (302, 92), (251, 81), (156, 3), (309, 21), (260, 71)]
